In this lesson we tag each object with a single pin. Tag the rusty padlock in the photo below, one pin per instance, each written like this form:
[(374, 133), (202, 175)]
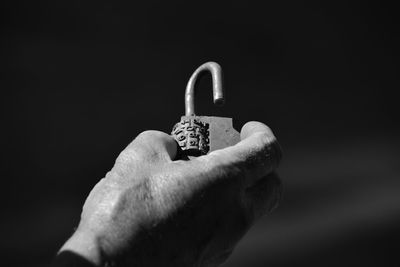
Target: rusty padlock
[(199, 135)]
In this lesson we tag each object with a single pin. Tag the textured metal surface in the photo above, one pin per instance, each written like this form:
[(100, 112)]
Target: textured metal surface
[(208, 134), (192, 136), (221, 132)]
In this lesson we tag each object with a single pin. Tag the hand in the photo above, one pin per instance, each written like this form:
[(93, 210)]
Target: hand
[(150, 210)]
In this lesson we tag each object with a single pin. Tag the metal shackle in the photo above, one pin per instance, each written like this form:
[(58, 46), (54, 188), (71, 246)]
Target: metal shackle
[(218, 92)]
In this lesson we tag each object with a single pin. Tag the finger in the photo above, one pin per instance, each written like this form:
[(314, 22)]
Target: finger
[(256, 155), (252, 127), (264, 196), (150, 146)]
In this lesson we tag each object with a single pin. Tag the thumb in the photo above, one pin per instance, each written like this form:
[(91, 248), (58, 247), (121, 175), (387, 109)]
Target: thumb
[(257, 154)]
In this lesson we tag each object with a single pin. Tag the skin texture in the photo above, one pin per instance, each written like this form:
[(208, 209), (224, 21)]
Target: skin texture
[(154, 210)]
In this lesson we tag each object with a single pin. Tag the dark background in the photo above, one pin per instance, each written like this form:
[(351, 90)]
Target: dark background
[(80, 79)]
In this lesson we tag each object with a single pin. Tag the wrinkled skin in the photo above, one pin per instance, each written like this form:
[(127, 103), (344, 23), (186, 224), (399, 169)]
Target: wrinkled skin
[(154, 210)]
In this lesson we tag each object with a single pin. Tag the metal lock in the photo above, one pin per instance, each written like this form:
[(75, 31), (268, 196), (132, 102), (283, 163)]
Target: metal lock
[(199, 135)]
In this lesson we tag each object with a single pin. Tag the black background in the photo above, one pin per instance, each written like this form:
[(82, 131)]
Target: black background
[(80, 79)]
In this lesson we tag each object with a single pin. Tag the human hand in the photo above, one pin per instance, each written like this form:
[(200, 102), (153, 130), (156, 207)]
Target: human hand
[(152, 210)]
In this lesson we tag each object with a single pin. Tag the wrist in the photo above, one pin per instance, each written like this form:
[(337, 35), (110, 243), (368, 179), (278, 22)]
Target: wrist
[(85, 245)]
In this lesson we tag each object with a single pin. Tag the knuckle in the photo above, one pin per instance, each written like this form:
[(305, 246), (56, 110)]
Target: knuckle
[(264, 138), (149, 134), (126, 157), (154, 137), (269, 147)]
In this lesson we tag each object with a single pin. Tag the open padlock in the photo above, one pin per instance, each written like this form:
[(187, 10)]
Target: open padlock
[(199, 135)]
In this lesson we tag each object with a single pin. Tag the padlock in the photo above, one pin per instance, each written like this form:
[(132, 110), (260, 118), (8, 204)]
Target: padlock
[(199, 135)]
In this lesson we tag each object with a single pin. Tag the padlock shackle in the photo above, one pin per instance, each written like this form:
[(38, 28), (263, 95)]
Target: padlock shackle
[(218, 92)]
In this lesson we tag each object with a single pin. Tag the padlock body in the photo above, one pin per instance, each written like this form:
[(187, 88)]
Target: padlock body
[(192, 133), (199, 135)]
